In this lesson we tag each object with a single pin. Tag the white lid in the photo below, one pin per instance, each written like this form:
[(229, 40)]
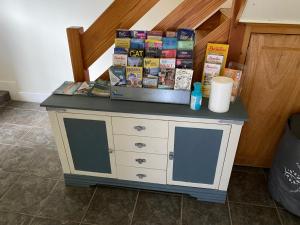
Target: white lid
[(221, 79)]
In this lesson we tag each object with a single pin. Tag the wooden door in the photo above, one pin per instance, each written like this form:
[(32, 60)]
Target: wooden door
[(271, 93)]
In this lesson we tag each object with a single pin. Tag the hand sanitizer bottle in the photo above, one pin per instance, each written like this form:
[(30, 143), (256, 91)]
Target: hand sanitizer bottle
[(196, 97)]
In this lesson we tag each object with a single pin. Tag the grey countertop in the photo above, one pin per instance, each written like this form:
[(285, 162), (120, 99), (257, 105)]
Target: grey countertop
[(236, 112)]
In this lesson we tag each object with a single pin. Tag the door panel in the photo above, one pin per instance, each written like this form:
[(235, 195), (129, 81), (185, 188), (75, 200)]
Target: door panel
[(271, 93), (89, 151), (88, 144), (196, 153)]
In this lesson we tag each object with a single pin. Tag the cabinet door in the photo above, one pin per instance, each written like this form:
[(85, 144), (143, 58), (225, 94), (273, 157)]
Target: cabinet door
[(196, 153), (88, 143)]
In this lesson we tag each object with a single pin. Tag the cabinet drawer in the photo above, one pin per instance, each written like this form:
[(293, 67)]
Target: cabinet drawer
[(141, 174), (140, 127), (141, 160), (141, 144)]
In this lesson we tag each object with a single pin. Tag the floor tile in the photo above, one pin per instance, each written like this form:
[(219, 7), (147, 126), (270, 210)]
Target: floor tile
[(10, 133), (38, 137), (249, 188), (43, 221), (16, 159), (157, 209), (25, 105), (288, 218), (45, 164), (111, 206), (44, 122), (6, 180), (67, 203), (25, 117), (201, 213), (26, 195), (247, 169), (253, 215), (6, 114), (9, 218)]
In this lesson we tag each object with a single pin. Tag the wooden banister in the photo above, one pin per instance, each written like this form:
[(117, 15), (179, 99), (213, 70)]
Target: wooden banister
[(189, 14), (80, 71), (101, 34), (86, 47)]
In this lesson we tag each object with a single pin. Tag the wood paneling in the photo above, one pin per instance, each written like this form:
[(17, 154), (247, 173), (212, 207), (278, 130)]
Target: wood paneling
[(189, 14), (216, 30), (101, 34), (271, 93), (80, 72)]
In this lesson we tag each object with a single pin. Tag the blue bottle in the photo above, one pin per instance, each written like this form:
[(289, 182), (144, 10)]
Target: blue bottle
[(196, 97)]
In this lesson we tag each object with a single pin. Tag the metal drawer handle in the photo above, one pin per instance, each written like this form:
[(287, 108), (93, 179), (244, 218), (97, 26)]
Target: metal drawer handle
[(140, 161), (141, 176), (139, 128), (140, 145)]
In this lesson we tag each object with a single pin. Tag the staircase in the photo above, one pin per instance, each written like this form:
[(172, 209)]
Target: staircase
[(211, 20)]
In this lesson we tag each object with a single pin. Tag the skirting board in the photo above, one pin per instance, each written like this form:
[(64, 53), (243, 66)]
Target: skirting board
[(202, 194)]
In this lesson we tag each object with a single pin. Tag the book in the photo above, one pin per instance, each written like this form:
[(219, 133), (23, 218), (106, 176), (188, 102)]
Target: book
[(84, 88), (122, 43), (184, 63), (213, 58), (210, 71), (154, 35), (117, 75), (183, 79), (136, 53), (137, 43), (123, 51), (123, 33), (67, 88), (166, 78), (101, 88), (153, 52), (235, 75), (185, 45), (171, 34), (184, 54), (168, 53), (185, 35), (140, 34), (134, 76), (135, 61), (151, 72), (149, 43), (169, 43), (215, 52), (151, 62), (119, 60), (167, 63), (150, 82)]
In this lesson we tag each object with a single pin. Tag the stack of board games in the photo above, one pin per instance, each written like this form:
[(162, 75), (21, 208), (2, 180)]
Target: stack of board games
[(215, 59), (151, 59)]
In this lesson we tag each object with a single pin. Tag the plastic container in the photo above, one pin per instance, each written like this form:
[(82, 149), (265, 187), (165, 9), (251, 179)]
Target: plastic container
[(196, 97)]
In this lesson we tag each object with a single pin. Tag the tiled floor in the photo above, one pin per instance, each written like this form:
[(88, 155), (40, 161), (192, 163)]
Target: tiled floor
[(32, 191)]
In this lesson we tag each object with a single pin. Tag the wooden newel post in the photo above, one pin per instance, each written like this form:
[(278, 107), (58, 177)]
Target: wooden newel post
[(80, 72)]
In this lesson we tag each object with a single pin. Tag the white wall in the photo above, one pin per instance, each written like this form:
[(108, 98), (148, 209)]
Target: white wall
[(272, 11), (34, 54)]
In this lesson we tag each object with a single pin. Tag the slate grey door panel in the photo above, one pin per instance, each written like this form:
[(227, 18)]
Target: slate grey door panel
[(88, 144), (196, 152)]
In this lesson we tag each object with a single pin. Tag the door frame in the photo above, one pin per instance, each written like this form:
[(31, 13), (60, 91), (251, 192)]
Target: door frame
[(108, 124), (220, 162)]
